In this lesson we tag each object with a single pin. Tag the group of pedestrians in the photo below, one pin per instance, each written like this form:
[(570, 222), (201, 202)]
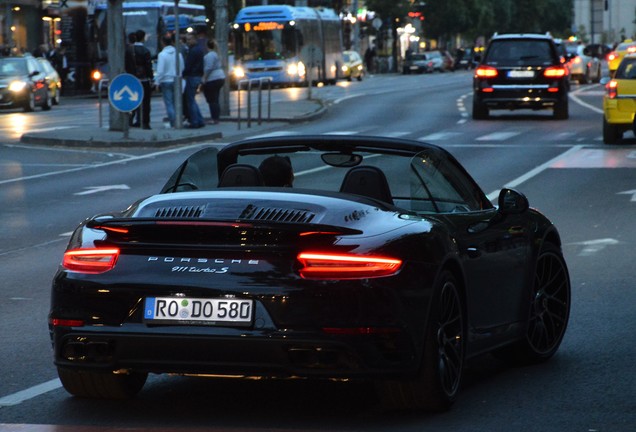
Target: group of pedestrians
[(198, 64)]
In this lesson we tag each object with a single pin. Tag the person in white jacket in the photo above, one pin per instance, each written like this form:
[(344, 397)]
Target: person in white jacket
[(167, 74)]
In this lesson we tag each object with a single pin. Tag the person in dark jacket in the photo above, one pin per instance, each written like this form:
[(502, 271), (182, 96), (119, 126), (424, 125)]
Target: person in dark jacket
[(193, 73), (139, 64)]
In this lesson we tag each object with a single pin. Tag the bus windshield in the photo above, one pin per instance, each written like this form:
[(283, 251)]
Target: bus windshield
[(266, 44)]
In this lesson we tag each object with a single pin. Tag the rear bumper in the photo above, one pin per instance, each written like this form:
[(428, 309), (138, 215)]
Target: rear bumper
[(520, 97), (620, 111), (234, 352)]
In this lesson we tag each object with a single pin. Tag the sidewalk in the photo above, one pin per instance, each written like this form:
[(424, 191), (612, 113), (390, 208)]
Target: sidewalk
[(86, 136)]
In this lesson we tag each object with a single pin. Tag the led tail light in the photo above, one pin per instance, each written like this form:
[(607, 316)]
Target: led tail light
[(345, 266), (98, 260), (486, 72), (555, 72), (612, 89)]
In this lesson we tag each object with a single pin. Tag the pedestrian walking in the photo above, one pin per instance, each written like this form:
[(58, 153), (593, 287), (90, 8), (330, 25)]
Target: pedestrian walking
[(167, 74), (193, 75), (213, 80)]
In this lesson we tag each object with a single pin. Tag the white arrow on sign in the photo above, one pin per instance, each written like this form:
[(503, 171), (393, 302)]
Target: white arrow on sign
[(95, 189), (592, 246), (119, 95), (629, 192)]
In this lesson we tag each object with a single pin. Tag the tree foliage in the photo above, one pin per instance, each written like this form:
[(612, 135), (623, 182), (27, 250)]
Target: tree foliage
[(474, 18)]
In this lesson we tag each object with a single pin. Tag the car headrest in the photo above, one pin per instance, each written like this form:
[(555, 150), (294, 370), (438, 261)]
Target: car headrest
[(367, 181), (238, 175)]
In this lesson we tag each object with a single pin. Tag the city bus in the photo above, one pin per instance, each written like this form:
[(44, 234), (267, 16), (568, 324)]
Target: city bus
[(155, 18), (289, 45)]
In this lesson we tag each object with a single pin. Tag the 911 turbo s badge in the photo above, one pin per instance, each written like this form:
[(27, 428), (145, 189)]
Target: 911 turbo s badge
[(201, 265)]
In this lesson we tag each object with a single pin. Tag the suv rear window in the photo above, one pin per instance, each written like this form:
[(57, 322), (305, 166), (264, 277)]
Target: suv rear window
[(520, 52)]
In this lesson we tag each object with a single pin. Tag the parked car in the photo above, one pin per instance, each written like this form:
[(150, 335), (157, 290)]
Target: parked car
[(385, 262), (23, 84), (353, 66), (416, 63), (521, 71), (53, 79), (619, 101), (614, 58), (435, 61)]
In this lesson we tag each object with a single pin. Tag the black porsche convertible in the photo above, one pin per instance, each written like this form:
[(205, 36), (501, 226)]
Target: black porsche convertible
[(348, 258)]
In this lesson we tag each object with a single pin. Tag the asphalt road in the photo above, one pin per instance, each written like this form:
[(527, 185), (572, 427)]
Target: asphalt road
[(587, 188)]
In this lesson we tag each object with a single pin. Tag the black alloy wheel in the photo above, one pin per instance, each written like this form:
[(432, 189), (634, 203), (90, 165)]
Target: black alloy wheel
[(549, 311), (437, 385), (550, 307)]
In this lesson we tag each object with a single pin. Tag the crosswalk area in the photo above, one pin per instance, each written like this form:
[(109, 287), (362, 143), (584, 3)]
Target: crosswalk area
[(456, 137)]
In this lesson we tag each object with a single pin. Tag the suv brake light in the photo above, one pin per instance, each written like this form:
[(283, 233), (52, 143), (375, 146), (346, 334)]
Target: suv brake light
[(486, 72), (555, 72)]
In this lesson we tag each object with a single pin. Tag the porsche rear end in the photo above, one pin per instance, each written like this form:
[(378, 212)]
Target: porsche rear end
[(231, 287)]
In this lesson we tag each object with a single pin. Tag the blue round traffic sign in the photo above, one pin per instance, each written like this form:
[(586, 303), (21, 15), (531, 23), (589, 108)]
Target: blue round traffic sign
[(125, 92)]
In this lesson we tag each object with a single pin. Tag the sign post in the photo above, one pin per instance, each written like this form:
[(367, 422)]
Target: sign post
[(125, 94)]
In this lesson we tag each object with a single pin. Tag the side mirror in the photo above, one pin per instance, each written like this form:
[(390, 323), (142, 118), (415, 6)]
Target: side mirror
[(512, 202)]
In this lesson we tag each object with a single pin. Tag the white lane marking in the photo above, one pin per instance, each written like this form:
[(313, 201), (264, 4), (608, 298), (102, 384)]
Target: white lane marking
[(101, 165), (275, 134), (96, 189), (590, 247), (498, 136), (573, 96), (533, 172), (439, 136), (30, 393)]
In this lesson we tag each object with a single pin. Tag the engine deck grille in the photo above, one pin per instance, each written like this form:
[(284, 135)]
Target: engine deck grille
[(184, 212), (273, 214)]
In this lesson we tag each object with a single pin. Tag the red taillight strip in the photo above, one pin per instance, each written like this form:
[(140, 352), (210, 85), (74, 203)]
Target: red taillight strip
[(58, 322), (98, 260), (345, 266)]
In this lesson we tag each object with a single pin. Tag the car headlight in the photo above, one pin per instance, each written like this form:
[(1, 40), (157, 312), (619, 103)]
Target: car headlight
[(238, 72), (296, 69), (17, 86), (345, 68)]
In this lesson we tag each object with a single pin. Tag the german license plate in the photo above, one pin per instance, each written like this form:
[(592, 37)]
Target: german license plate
[(180, 310), (521, 74)]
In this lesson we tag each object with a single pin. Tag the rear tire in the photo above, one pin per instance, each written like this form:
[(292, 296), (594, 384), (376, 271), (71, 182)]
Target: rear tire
[(29, 105), (101, 385), (438, 382), (611, 133), (561, 110), (480, 111), (47, 102)]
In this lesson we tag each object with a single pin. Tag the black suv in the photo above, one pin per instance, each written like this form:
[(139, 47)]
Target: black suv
[(521, 71)]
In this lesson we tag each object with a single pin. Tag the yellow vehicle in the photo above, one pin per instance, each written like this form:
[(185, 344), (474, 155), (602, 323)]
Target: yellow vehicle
[(614, 58), (353, 67), (619, 101)]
